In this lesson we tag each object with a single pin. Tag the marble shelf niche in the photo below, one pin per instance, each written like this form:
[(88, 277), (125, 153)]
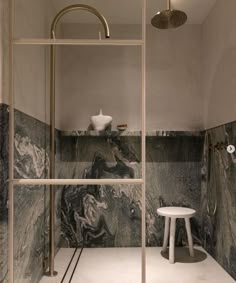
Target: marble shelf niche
[(114, 133)]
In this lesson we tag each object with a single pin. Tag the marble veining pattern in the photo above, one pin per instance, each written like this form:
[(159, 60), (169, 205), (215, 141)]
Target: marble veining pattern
[(31, 203), (4, 117), (110, 216), (219, 198), (114, 133), (31, 153), (172, 179)]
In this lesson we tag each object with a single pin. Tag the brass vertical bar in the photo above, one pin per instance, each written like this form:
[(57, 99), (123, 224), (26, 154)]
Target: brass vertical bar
[(169, 5), (56, 20), (143, 139), (52, 162), (11, 149)]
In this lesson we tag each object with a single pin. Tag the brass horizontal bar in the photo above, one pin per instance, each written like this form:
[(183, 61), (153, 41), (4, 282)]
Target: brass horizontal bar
[(96, 42), (77, 181)]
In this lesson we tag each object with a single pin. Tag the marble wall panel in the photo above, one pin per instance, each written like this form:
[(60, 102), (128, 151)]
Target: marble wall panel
[(107, 216), (31, 153), (173, 178), (4, 124), (31, 203), (218, 200)]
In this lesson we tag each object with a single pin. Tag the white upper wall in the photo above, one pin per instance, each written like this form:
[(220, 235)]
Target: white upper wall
[(118, 12), (110, 78), (4, 50), (1, 51), (190, 71), (32, 18), (93, 78), (31, 67), (174, 66), (219, 57)]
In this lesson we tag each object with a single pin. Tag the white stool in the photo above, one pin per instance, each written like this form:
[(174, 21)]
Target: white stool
[(173, 213)]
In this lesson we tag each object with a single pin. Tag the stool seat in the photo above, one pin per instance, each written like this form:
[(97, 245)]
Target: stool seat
[(177, 212), (171, 213)]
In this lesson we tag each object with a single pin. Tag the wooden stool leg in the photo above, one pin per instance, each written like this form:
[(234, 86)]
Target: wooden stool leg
[(190, 239), (166, 234), (172, 241)]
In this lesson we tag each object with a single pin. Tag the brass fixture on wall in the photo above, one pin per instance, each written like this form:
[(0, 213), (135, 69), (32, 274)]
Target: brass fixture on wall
[(211, 190), (55, 22), (219, 146)]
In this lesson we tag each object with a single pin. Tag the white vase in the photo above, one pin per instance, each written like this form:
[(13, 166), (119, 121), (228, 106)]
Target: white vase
[(100, 122)]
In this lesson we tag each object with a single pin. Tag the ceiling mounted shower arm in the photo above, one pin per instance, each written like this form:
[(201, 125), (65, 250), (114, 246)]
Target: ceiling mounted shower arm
[(78, 7)]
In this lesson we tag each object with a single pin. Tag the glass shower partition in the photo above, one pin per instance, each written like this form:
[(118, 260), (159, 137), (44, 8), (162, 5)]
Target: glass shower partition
[(83, 180)]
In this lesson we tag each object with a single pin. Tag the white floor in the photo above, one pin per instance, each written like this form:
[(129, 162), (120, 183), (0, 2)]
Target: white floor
[(123, 265)]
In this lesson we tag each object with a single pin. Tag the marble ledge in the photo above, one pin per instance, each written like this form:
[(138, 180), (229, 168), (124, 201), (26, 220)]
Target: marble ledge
[(77, 133)]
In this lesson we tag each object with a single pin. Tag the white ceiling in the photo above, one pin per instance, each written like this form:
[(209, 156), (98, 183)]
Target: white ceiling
[(129, 11), (197, 10)]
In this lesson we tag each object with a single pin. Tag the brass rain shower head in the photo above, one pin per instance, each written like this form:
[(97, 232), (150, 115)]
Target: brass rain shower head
[(169, 18)]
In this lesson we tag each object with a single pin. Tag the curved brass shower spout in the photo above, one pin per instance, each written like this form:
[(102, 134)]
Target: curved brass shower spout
[(55, 22), (77, 7)]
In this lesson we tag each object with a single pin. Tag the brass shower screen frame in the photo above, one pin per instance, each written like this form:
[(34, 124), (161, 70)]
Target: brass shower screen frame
[(52, 181)]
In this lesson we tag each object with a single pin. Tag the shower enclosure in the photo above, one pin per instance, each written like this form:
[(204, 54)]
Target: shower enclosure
[(80, 205)]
